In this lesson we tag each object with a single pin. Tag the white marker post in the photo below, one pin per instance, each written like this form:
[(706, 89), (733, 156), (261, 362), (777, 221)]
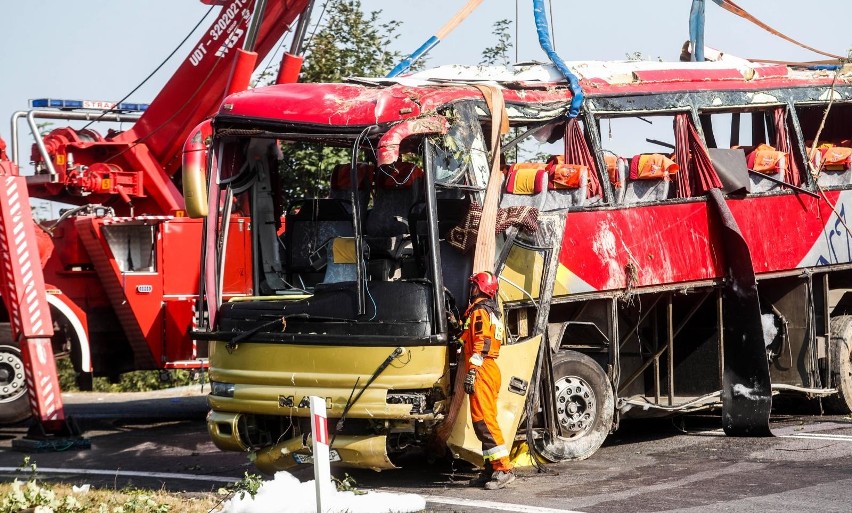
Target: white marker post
[(322, 468)]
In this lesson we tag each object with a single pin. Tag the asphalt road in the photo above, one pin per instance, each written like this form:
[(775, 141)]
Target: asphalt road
[(685, 464)]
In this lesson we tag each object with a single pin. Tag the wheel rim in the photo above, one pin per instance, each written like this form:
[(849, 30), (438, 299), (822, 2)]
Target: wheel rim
[(12, 380), (575, 406)]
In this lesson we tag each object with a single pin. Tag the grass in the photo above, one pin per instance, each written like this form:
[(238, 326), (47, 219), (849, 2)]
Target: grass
[(62, 498), (135, 381), (28, 494)]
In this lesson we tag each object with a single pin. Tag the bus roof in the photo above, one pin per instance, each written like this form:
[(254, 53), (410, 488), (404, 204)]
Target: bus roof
[(367, 101)]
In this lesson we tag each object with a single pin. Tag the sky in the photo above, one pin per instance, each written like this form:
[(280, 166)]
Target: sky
[(101, 49)]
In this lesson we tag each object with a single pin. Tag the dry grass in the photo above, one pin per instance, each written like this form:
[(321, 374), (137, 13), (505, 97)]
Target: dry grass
[(62, 498)]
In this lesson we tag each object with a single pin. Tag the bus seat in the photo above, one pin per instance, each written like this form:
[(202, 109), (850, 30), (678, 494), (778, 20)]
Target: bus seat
[(648, 179), (525, 185), (341, 263), (397, 189), (834, 164), (568, 186), (765, 160), (310, 225), (451, 211), (339, 188), (456, 270)]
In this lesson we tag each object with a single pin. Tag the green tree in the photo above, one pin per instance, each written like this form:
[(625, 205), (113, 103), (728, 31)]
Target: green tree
[(499, 53), (350, 43)]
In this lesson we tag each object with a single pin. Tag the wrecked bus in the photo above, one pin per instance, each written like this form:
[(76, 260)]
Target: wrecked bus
[(682, 245)]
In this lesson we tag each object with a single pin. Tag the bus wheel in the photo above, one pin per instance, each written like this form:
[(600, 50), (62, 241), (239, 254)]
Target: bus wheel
[(584, 408), (14, 403), (841, 365)]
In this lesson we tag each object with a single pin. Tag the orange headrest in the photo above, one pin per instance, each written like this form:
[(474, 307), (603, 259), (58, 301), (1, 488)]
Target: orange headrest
[(651, 166), (766, 159)]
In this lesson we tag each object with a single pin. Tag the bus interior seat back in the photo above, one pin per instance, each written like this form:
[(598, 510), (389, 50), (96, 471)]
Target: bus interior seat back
[(765, 161), (310, 225), (567, 186), (617, 169), (834, 164), (397, 188), (451, 211), (456, 271), (525, 185), (341, 178), (341, 261), (649, 178)]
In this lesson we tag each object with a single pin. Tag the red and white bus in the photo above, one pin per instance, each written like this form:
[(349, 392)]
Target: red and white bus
[(682, 245)]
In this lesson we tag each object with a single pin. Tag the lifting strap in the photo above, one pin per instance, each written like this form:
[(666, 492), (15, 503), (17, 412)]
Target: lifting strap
[(483, 256), (730, 6)]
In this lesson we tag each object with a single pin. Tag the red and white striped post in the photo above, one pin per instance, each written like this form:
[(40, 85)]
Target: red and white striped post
[(322, 467)]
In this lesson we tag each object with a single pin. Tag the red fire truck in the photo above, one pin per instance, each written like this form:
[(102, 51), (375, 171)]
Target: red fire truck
[(686, 247), (120, 267)]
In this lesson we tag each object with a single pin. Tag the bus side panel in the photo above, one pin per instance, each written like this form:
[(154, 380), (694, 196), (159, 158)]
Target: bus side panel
[(637, 246)]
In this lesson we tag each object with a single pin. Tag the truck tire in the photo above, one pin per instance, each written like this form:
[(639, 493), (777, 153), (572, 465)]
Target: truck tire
[(584, 408), (840, 347), (14, 402)]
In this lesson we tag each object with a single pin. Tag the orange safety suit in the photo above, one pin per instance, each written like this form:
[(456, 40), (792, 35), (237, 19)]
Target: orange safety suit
[(482, 336)]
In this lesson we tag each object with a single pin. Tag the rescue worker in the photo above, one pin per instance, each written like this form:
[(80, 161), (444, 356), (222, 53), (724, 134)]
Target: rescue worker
[(481, 338)]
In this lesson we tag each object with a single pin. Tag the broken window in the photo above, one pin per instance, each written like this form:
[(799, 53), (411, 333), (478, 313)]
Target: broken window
[(639, 155), (828, 142), (757, 146)]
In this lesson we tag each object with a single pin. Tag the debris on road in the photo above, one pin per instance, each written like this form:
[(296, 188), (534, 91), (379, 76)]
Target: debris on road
[(286, 494)]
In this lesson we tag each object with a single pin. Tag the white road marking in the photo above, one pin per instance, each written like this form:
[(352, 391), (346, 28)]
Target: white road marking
[(714, 432), (491, 505), (124, 473), (810, 435), (820, 436)]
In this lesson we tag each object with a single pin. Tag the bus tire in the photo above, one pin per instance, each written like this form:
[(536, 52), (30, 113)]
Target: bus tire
[(840, 346), (584, 408), (14, 401)]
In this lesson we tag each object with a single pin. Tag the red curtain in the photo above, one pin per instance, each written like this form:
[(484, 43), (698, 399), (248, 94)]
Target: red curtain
[(577, 152), (696, 175), (783, 143)]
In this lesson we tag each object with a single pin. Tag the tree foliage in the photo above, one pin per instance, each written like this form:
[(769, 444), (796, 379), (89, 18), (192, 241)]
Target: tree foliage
[(350, 43), (499, 53)]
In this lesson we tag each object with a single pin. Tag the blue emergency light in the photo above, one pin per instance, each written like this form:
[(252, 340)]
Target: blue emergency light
[(52, 103)]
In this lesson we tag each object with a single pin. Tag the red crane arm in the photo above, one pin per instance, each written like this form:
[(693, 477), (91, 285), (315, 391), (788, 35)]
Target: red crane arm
[(197, 87)]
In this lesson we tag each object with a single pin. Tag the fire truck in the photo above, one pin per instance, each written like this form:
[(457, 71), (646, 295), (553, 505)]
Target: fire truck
[(685, 247), (119, 267)]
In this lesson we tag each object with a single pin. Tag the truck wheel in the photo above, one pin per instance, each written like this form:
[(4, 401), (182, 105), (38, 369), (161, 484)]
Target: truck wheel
[(584, 408), (840, 346), (14, 403)]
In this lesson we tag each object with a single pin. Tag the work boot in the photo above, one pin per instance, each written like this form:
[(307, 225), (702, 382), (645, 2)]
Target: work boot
[(500, 479), (483, 477)]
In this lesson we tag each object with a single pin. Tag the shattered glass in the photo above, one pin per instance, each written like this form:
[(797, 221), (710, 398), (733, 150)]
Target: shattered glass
[(460, 157)]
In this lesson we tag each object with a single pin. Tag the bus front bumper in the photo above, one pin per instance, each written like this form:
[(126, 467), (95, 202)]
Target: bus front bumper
[(367, 451)]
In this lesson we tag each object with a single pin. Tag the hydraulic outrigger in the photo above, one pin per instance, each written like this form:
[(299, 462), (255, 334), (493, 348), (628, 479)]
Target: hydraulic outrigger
[(23, 290)]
